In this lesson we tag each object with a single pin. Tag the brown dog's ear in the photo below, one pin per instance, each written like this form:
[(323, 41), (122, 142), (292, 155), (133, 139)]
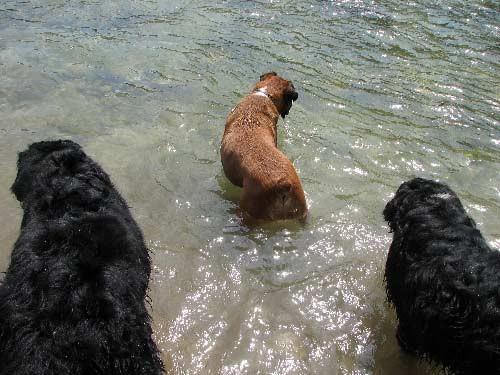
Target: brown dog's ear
[(291, 94), (264, 76)]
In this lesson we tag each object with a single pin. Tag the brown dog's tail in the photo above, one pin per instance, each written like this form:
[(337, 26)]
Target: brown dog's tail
[(284, 201), (288, 202)]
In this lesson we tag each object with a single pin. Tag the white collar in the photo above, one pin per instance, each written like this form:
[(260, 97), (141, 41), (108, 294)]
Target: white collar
[(262, 92)]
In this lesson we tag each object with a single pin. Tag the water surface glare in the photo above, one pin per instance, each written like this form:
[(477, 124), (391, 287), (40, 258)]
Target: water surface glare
[(388, 90)]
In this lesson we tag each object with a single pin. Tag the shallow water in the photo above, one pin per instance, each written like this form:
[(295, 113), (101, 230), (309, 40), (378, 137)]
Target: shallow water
[(387, 90)]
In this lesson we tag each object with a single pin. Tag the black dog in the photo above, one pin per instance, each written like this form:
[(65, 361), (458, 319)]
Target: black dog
[(443, 279), (72, 302)]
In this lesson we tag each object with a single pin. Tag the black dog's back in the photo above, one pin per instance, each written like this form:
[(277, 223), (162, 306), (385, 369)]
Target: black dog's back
[(443, 279), (72, 301)]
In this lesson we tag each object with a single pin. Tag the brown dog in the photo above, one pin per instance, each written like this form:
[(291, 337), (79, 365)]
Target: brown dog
[(250, 156)]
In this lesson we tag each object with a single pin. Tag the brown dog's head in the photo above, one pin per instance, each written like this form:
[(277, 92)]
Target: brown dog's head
[(279, 90)]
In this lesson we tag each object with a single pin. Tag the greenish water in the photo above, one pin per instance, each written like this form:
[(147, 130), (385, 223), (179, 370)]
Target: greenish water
[(388, 90)]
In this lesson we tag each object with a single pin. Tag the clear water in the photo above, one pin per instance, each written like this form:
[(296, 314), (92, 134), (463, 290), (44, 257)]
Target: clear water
[(388, 90)]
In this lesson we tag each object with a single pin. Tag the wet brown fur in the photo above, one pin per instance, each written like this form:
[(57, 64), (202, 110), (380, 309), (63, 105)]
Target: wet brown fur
[(251, 158)]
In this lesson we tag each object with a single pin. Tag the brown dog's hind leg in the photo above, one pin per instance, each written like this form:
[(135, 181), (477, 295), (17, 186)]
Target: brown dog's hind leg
[(231, 163), (251, 199)]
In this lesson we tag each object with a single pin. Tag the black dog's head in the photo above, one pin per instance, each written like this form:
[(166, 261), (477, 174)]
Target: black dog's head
[(43, 160), (412, 195)]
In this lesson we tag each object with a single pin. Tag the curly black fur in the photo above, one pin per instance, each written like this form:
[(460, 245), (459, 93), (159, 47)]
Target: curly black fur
[(443, 279), (72, 302)]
